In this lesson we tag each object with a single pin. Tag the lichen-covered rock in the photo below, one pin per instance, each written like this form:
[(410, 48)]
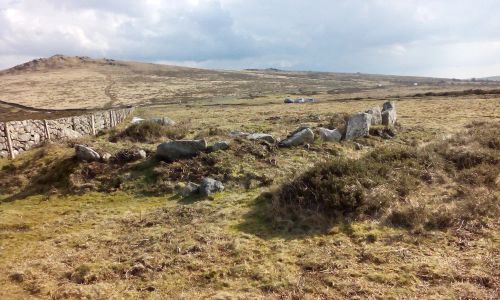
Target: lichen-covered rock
[(210, 186), (180, 149), (358, 125), (328, 135), (261, 137), (301, 136), (84, 153), (376, 115)]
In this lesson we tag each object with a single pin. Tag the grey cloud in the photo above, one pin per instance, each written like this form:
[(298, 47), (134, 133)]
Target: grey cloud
[(422, 37)]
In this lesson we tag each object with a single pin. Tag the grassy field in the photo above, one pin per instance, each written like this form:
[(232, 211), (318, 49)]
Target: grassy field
[(112, 231)]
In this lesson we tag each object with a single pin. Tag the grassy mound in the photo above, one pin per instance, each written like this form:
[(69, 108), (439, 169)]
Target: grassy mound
[(149, 131), (385, 184)]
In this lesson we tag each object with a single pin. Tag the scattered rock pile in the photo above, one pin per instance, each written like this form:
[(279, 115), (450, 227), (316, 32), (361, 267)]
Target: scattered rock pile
[(206, 188)]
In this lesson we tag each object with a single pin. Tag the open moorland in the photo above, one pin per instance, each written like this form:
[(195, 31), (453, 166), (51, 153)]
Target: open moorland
[(411, 211), (62, 82)]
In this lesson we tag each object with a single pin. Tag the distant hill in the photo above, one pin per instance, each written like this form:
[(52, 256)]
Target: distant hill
[(495, 78), (77, 82)]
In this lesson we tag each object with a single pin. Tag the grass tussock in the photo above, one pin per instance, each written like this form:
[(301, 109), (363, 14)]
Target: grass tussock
[(384, 185), (149, 131)]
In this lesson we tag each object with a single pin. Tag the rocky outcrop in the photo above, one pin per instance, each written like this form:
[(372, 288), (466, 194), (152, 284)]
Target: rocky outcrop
[(175, 150), (328, 135), (301, 136), (358, 125)]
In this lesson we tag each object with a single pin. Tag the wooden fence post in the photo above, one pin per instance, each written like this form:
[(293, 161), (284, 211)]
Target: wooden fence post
[(9, 141), (110, 120), (92, 121), (47, 130)]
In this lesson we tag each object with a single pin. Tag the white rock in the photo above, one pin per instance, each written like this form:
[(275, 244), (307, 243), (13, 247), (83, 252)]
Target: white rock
[(330, 135)]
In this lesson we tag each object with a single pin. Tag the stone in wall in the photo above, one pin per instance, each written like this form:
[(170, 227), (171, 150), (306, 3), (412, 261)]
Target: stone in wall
[(82, 124), (26, 134)]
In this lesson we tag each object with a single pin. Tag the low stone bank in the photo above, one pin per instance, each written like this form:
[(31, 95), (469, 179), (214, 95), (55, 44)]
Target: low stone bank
[(19, 136)]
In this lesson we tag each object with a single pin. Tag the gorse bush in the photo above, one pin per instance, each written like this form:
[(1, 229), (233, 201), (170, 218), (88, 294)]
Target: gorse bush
[(149, 131), (351, 188)]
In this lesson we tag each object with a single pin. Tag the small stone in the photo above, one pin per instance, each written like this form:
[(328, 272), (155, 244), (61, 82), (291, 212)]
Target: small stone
[(210, 186)]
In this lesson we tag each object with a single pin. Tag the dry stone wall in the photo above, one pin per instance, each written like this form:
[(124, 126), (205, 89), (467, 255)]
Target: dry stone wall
[(19, 136)]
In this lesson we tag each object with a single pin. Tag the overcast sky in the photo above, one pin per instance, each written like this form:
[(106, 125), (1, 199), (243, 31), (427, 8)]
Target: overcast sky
[(442, 38)]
